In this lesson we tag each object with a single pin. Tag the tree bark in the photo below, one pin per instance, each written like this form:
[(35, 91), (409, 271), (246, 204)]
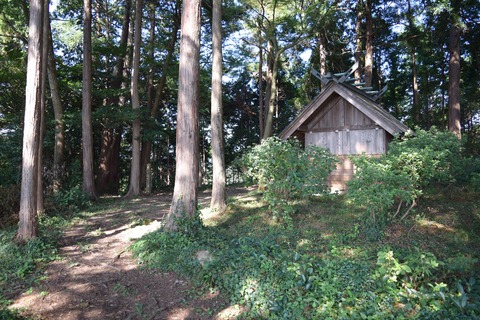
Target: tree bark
[(218, 153), (108, 174), (59, 147), (27, 226), (273, 59), (322, 52), (151, 55), (260, 83), (184, 203), (134, 189), (454, 82), (416, 100), (43, 95), (368, 44), (87, 134), (147, 145), (358, 41)]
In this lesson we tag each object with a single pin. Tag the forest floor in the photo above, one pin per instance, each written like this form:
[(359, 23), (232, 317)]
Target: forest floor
[(97, 277)]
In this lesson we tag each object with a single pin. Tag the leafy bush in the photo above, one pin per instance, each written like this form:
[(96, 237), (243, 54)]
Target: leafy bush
[(438, 157), (6, 314), (10, 157), (388, 187), (288, 172), (10, 205), (68, 200), (378, 185), (475, 182)]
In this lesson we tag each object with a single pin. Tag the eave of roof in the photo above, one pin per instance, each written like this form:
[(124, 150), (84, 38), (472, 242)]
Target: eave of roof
[(358, 99)]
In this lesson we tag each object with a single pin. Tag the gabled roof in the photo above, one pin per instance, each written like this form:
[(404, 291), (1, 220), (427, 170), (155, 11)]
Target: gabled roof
[(358, 99)]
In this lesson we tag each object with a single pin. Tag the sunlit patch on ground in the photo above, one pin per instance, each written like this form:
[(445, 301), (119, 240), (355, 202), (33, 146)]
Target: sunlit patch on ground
[(139, 231), (435, 225), (232, 312)]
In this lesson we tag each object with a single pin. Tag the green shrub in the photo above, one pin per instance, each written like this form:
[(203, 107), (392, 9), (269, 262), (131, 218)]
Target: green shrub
[(6, 314), (439, 157), (287, 172), (379, 185), (10, 205), (388, 187), (475, 182), (70, 199), (10, 157)]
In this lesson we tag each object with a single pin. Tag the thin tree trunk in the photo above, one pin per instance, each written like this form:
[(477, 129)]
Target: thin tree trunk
[(43, 91), (368, 44), (416, 101), (151, 55), (145, 168), (416, 98), (218, 153), (59, 147), (322, 52), (134, 189), (358, 41), (147, 145), (27, 226), (185, 194), (454, 82), (168, 161), (260, 84), (87, 134), (271, 89)]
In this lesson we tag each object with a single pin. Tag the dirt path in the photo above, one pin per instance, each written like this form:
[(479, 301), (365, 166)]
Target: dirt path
[(98, 279)]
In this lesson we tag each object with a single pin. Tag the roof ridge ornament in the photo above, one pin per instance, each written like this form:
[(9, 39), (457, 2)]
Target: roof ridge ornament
[(345, 77)]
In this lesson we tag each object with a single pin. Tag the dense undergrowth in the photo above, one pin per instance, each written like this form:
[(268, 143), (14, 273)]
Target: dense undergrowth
[(324, 267), (376, 253)]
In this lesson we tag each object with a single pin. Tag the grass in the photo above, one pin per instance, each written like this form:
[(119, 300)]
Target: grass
[(325, 266)]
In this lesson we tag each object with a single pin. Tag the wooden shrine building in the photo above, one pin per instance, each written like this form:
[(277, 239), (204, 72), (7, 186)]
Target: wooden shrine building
[(346, 119)]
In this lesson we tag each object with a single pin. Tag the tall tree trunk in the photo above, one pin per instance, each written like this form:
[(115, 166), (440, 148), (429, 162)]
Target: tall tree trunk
[(27, 226), (87, 134), (411, 41), (43, 92), (322, 52), (184, 202), (416, 98), (59, 147), (368, 44), (273, 59), (108, 174), (151, 55), (454, 82), (134, 189), (260, 83), (147, 144), (358, 41), (218, 153)]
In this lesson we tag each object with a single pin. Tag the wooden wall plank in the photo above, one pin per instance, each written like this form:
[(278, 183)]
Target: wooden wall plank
[(347, 142)]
